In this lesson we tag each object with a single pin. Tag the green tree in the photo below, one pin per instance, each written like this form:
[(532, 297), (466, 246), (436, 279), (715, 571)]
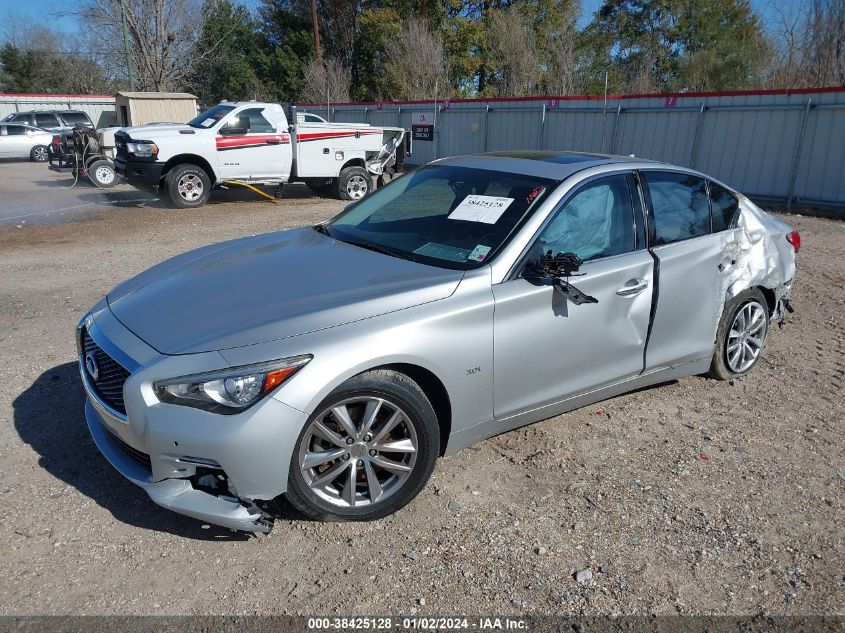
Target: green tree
[(230, 51), (671, 45)]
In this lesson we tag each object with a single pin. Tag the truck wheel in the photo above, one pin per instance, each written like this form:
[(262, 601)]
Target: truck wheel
[(39, 154), (101, 173), (354, 183), (188, 186)]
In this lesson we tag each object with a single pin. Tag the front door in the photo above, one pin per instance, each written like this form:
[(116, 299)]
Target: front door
[(250, 148), (547, 349)]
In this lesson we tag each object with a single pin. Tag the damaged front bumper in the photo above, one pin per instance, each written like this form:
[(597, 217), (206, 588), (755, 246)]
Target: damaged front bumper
[(178, 495), (222, 469)]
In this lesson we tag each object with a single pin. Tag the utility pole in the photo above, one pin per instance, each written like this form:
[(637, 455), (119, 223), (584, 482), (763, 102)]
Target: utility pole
[(316, 27), (126, 47)]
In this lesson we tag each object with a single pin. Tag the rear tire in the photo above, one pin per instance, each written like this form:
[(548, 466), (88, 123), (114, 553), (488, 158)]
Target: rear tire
[(360, 470), (741, 335), (188, 186), (354, 183), (102, 174), (39, 154)]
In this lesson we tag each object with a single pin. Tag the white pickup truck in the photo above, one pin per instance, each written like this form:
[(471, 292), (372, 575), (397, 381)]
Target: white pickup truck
[(253, 143)]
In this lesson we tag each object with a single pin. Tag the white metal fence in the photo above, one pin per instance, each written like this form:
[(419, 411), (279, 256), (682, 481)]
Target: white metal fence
[(782, 146), (101, 108)]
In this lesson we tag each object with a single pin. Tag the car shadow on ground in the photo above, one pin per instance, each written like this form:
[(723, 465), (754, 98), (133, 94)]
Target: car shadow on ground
[(49, 417)]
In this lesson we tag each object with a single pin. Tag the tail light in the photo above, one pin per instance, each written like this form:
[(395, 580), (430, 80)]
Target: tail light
[(794, 238), (56, 140)]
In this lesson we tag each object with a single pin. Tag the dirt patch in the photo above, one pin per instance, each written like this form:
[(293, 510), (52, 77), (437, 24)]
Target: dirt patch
[(692, 497)]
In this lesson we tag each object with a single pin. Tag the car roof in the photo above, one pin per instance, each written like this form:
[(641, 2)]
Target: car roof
[(557, 165)]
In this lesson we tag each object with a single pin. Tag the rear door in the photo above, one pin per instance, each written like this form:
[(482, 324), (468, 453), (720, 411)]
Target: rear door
[(548, 349), (689, 262), (17, 142), (47, 121), (250, 147)]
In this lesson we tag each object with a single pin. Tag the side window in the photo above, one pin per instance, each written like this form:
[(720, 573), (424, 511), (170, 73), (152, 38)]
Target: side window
[(598, 221), (724, 206), (15, 130), (679, 207), (46, 120), (257, 122), (21, 118)]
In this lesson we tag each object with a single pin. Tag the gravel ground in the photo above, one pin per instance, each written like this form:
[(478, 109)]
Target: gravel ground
[(694, 497)]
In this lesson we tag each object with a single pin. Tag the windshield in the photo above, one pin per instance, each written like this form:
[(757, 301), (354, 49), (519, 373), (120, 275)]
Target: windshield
[(447, 216), (210, 117)]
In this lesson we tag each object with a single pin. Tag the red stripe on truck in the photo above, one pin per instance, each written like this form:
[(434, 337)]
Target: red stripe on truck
[(235, 142), (316, 136)]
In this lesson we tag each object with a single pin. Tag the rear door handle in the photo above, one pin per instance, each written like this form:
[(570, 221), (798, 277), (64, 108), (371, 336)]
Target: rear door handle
[(632, 288)]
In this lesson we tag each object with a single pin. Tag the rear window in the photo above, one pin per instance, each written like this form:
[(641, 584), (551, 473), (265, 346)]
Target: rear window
[(72, 118), (724, 206), (679, 207)]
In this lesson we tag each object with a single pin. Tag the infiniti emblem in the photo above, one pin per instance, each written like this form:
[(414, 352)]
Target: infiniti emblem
[(91, 365)]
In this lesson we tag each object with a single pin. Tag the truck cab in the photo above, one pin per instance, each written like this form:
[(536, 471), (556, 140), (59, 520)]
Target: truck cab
[(254, 143)]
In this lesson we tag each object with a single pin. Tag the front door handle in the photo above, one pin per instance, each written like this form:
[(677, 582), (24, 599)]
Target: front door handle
[(632, 288)]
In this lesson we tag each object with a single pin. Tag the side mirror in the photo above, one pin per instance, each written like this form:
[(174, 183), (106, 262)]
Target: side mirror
[(239, 125), (558, 269)]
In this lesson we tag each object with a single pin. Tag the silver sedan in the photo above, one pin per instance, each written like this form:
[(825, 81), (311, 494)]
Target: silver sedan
[(333, 364), (24, 141)]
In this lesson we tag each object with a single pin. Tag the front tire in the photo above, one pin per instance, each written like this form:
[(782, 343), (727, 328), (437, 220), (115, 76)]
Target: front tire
[(188, 186), (367, 451), (354, 183), (39, 154), (741, 335)]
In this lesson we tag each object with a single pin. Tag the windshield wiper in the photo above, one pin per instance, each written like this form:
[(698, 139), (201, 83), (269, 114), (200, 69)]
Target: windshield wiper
[(378, 248)]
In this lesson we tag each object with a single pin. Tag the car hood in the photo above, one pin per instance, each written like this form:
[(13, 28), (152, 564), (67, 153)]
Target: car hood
[(153, 131), (269, 287)]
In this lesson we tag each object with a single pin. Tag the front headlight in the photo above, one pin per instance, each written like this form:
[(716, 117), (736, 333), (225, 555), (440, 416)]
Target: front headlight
[(142, 149), (228, 390)]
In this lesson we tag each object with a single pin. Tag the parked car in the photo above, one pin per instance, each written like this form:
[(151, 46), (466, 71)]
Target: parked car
[(24, 141), (52, 120), (334, 363)]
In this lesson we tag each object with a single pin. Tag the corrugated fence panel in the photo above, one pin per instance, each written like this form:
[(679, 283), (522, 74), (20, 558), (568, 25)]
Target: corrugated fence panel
[(573, 130), (821, 173), (664, 136)]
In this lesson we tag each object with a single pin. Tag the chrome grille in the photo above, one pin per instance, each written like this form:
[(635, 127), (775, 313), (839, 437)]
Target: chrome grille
[(111, 375)]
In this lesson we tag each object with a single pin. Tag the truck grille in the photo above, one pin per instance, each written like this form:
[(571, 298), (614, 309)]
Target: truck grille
[(108, 385)]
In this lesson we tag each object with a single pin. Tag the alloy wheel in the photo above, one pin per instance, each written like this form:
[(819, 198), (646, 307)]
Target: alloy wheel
[(190, 187), (746, 337), (358, 452), (40, 154), (356, 187)]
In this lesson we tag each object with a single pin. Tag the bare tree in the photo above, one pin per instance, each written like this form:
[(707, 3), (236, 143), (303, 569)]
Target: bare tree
[(416, 63), (808, 49), (162, 38), (328, 79), (512, 50)]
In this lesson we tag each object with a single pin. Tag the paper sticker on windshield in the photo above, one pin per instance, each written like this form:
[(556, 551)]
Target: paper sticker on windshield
[(479, 253), (486, 209), (208, 122)]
